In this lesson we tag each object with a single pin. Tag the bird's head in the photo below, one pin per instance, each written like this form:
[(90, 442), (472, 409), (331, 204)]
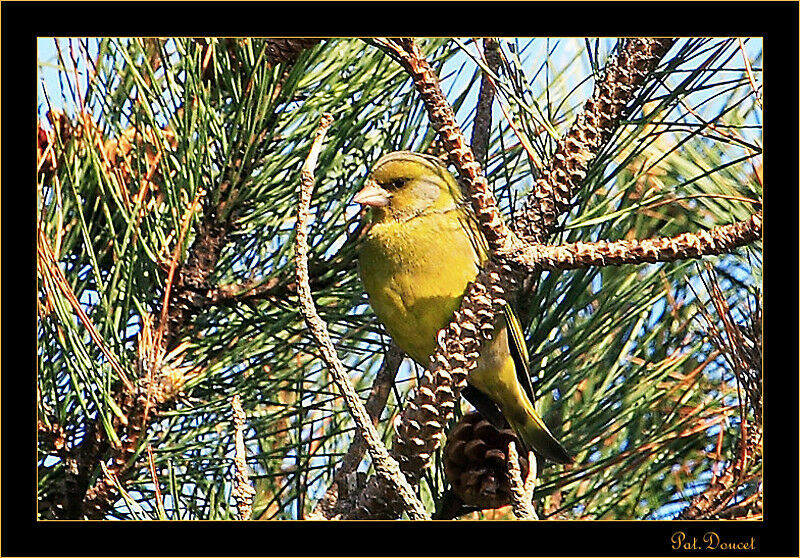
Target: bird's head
[(404, 184)]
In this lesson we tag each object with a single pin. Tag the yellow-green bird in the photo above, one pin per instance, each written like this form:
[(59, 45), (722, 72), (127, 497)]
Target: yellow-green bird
[(421, 253)]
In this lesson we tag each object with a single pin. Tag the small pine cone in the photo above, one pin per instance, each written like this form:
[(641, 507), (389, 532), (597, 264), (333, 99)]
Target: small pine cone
[(475, 462), (287, 50)]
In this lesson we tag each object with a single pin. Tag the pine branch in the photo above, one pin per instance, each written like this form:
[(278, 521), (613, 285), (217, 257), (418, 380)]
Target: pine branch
[(718, 240), (336, 502), (136, 401), (482, 125), (554, 190), (193, 291), (274, 288), (192, 278), (140, 404), (387, 468), (185, 296)]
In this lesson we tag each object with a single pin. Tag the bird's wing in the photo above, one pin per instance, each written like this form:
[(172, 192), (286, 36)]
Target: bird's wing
[(519, 352), (485, 406)]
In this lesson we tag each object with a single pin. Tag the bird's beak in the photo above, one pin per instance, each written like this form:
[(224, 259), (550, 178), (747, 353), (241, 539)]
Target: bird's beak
[(372, 195)]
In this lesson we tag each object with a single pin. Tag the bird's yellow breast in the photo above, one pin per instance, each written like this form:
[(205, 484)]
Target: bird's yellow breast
[(416, 272)]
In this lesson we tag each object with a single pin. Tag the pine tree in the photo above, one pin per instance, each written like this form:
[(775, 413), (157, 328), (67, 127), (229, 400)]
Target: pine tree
[(178, 378)]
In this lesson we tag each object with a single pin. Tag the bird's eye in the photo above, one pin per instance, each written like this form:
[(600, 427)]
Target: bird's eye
[(396, 183)]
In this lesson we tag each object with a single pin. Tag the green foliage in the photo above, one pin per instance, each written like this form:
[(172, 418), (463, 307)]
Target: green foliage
[(622, 371)]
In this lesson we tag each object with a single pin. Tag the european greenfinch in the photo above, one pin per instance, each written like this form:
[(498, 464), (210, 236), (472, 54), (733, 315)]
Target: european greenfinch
[(423, 249)]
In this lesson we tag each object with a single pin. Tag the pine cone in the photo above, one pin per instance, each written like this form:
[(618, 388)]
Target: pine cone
[(287, 50), (475, 462)]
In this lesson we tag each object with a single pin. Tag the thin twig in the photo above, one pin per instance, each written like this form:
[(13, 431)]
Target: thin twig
[(329, 505), (384, 464), (492, 58), (749, 71)]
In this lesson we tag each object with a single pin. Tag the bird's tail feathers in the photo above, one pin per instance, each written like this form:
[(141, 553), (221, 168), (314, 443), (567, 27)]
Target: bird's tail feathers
[(535, 436)]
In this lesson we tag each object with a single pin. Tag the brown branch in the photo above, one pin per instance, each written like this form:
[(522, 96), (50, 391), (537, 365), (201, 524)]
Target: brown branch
[(718, 240), (376, 402), (387, 468), (482, 125), (79, 461), (336, 501), (279, 287), (248, 291), (554, 190), (135, 406), (173, 266), (192, 277)]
